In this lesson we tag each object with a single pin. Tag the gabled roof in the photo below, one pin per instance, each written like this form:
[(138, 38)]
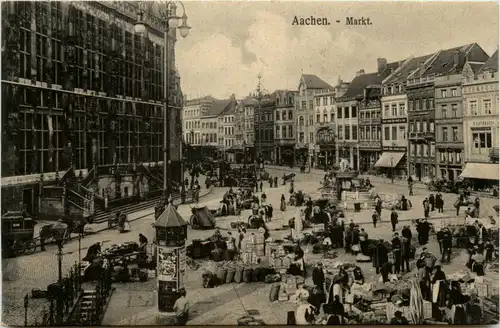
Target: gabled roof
[(442, 62), (475, 67), (407, 68), (218, 106), (359, 83), (313, 82), (491, 64), (170, 218)]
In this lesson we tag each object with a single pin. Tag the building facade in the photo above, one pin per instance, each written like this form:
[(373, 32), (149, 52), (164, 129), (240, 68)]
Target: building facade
[(226, 136), (264, 129), (370, 145), (249, 104), (421, 106), (191, 117), (81, 90), (309, 85), (449, 126), (394, 104), (284, 129), (480, 122)]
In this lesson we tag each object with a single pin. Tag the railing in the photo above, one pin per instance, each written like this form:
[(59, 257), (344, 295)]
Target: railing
[(66, 174), (60, 311), (88, 178), (75, 198)]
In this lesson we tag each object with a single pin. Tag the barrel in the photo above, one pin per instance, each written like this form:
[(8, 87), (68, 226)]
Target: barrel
[(230, 275), (238, 275), (247, 275), (221, 274)]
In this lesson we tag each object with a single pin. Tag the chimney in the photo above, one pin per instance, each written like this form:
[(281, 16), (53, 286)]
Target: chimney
[(233, 97), (360, 72), (381, 65)]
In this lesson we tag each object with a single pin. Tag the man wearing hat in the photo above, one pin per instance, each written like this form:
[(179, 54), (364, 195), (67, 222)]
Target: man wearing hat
[(446, 243), (396, 251), (394, 219)]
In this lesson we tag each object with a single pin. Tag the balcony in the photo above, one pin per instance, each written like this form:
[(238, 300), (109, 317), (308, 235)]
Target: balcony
[(370, 121), (428, 135), (416, 136)]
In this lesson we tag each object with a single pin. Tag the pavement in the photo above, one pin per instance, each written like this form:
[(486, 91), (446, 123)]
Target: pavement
[(134, 303)]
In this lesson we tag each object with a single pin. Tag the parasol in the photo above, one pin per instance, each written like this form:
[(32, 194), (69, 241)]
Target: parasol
[(416, 303)]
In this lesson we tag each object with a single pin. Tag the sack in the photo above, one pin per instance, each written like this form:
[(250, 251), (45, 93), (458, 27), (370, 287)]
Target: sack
[(238, 275), (221, 275), (256, 274), (230, 275), (273, 294), (247, 275)]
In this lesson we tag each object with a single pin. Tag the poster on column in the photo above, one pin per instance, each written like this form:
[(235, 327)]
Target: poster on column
[(167, 264), (181, 253)]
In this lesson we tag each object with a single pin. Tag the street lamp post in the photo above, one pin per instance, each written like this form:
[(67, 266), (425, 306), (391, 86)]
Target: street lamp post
[(392, 170), (260, 95), (170, 20)]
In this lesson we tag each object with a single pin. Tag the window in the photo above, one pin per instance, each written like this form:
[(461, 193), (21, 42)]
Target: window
[(318, 118), (332, 100), (347, 132), (444, 134), (311, 137), (458, 157), (453, 92), (354, 132), (301, 121), (325, 101), (482, 142), (402, 133), (290, 131), (443, 93), (354, 112), (346, 112), (442, 156), (450, 157), (431, 103), (362, 133), (424, 126), (394, 110), (431, 127), (339, 112), (455, 133), (340, 133), (417, 104), (318, 101), (412, 149), (394, 133), (454, 110), (386, 110), (325, 117), (332, 117), (473, 107), (290, 115), (419, 150), (417, 125), (487, 106), (411, 127), (379, 133), (402, 109), (433, 148), (426, 150), (444, 111), (277, 135), (387, 133), (410, 105), (301, 137), (303, 105)]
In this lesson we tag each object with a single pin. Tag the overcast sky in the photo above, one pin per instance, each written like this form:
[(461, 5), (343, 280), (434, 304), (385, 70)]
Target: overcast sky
[(232, 42)]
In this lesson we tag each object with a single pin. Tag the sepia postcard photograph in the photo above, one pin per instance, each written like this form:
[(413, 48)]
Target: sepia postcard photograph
[(249, 163)]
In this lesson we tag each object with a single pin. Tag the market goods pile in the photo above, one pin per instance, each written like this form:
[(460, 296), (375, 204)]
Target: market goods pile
[(227, 272)]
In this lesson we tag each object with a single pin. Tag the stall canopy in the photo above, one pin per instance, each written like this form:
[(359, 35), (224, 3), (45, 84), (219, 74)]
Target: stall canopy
[(389, 159), (483, 171)]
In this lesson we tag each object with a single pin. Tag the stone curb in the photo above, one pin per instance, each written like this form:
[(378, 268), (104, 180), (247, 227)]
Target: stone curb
[(152, 211)]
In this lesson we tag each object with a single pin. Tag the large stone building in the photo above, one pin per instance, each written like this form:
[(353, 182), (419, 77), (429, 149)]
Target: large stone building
[(264, 129), (81, 92), (421, 107), (325, 110), (226, 135), (480, 122), (361, 91), (449, 125), (191, 117), (284, 127), (394, 104), (309, 85)]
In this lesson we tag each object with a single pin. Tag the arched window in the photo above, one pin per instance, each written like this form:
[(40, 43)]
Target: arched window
[(301, 121)]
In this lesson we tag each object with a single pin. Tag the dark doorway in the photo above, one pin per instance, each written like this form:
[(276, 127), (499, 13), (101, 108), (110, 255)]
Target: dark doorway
[(418, 171), (451, 176), (28, 200)]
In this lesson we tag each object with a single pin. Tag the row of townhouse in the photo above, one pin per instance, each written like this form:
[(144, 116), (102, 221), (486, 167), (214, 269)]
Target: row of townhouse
[(432, 116)]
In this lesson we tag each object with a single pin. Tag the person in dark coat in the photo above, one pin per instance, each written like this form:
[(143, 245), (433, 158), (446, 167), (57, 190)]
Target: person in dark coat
[(318, 276), (432, 202), (317, 297), (439, 202), (375, 216), (396, 251), (406, 233), (446, 244), (405, 254), (440, 276), (275, 182), (336, 310), (394, 219), (385, 270), (379, 255), (347, 240), (423, 229), (476, 205), (426, 205)]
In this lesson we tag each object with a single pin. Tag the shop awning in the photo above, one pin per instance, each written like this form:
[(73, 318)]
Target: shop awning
[(389, 159), (483, 171)]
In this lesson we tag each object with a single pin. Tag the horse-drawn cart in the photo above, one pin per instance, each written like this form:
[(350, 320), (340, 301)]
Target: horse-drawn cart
[(202, 218)]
